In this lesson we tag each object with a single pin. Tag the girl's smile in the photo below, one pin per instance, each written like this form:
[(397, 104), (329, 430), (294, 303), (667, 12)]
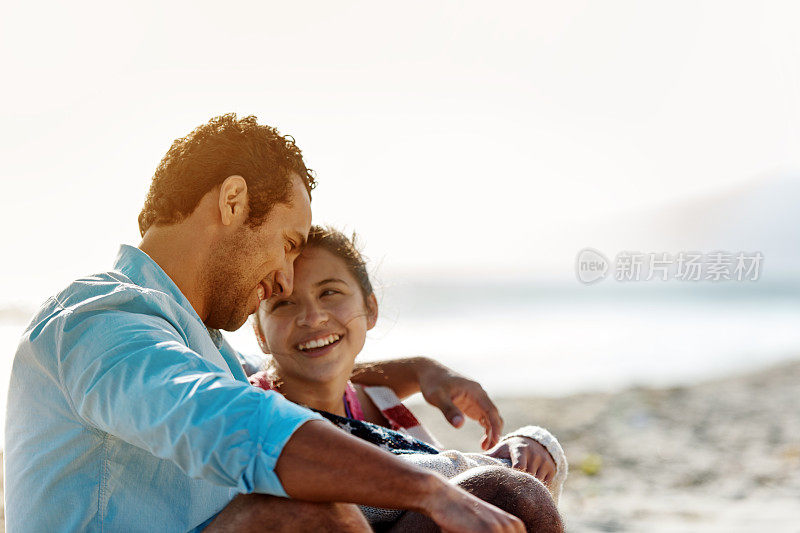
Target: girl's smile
[(315, 333), (320, 346)]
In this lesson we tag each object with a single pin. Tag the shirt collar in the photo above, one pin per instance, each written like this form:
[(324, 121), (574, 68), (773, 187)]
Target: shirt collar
[(143, 271)]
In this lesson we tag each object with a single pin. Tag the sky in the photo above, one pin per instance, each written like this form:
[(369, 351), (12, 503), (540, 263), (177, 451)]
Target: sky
[(456, 139)]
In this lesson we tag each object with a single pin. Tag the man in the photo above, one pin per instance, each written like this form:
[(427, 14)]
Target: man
[(128, 411)]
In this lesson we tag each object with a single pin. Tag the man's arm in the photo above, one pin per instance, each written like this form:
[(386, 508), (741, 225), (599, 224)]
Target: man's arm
[(131, 376), (449, 391), (357, 472)]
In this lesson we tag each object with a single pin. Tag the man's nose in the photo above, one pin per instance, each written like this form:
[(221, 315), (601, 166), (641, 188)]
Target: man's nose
[(284, 283)]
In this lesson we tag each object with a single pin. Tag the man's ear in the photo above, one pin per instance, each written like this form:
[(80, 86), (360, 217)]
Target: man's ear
[(233, 200), (372, 311)]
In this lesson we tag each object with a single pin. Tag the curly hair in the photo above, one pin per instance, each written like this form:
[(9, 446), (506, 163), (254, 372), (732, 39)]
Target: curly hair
[(224, 146)]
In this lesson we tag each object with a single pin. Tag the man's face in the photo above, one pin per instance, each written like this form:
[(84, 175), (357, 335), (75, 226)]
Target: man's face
[(252, 264)]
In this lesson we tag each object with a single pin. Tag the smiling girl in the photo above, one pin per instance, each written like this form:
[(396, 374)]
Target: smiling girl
[(314, 336)]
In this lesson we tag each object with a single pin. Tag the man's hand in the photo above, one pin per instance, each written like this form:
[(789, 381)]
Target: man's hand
[(527, 455), (456, 396), (456, 510)]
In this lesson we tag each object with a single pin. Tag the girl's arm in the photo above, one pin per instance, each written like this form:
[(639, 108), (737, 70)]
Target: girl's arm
[(454, 394), (530, 448)]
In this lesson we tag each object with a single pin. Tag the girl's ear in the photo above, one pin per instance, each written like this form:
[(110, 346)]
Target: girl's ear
[(372, 311)]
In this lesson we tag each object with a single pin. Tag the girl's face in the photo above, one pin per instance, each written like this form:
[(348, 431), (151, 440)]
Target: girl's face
[(316, 332)]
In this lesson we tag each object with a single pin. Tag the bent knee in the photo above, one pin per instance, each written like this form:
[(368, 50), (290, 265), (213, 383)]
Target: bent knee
[(515, 492), (257, 512), (308, 516), (346, 517)]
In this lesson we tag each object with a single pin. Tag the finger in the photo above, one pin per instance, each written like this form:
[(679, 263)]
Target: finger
[(549, 477), (535, 467), (544, 476), (542, 471), (551, 467), (497, 451), (489, 439), (489, 409), (519, 460), (445, 404), (551, 470)]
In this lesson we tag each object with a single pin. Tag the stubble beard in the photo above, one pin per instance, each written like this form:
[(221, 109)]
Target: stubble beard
[(228, 292)]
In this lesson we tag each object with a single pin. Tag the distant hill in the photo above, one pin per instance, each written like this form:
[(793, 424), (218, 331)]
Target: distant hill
[(762, 215)]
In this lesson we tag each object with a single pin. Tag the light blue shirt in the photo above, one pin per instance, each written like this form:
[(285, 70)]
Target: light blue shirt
[(126, 414)]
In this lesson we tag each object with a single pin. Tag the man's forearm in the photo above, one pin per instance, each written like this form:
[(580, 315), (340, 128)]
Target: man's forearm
[(320, 463), (323, 464), (400, 375)]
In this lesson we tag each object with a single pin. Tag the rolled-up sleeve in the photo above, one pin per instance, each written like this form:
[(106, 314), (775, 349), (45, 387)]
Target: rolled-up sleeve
[(134, 377)]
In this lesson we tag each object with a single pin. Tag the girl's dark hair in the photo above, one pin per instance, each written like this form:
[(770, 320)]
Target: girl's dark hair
[(346, 249)]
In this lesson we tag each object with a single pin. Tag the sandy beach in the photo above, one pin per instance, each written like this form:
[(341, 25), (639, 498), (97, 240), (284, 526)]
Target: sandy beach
[(720, 456)]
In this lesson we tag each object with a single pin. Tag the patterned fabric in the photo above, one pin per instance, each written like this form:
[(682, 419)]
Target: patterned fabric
[(386, 439), (400, 418), (390, 440)]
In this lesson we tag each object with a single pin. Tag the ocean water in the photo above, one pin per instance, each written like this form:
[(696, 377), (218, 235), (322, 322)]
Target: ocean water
[(519, 339)]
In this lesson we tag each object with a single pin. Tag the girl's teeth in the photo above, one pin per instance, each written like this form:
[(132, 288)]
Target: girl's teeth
[(261, 292), (318, 343)]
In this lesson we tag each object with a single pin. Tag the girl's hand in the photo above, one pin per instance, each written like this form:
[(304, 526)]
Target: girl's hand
[(527, 455), (457, 396)]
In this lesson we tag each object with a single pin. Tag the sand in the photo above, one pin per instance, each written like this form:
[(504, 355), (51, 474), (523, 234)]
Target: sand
[(722, 456)]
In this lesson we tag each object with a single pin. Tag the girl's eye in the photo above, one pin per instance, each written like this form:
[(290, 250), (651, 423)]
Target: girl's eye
[(280, 303), (329, 292)]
